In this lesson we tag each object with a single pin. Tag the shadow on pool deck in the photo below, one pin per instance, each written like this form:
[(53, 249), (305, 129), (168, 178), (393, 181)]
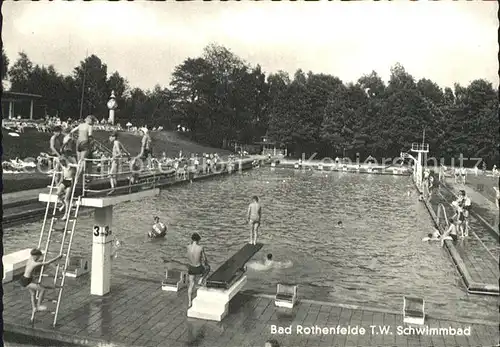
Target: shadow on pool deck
[(138, 313)]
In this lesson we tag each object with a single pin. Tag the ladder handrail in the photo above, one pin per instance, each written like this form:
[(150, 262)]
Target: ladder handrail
[(66, 261), (47, 208), (440, 208), (71, 202), (63, 242)]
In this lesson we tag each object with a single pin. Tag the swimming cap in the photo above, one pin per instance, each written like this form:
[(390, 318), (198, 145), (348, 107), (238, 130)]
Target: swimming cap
[(36, 251)]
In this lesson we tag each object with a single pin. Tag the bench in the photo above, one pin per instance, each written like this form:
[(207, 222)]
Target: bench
[(211, 302), (14, 264), (286, 295), (413, 310), (77, 266), (174, 280)]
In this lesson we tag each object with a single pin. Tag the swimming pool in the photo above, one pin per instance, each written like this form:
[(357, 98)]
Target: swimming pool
[(375, 259)]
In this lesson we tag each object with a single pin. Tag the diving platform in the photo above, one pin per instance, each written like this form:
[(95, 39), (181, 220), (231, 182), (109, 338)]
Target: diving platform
[(104, 201), (102, 231)]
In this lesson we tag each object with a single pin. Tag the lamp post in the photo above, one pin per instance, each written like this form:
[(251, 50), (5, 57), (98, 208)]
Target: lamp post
[(112, 105)]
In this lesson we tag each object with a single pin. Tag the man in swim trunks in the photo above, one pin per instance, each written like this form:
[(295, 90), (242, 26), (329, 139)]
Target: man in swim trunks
[(196, 256), (463, 204), (146, 146), (26, 280), (117, 153), (56, 142), (83, 144), (253, 218)]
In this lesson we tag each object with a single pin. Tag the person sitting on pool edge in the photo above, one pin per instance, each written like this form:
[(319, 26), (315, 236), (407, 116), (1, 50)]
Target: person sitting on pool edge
[(196, 255), (451, 233)]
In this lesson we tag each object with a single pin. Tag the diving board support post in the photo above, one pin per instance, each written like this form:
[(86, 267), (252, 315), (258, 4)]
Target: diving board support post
[(102, 241), (102, 234)]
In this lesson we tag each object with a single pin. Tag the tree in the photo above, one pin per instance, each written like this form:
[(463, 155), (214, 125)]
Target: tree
[(192, 91), (91, 77), (119, 85), (20, 73), (5, 64)]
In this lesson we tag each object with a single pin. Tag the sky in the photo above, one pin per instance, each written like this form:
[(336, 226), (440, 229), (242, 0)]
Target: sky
[(444, 41)]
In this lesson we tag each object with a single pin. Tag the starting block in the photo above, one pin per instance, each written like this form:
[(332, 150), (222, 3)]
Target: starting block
[(174, 280), (296, 166), (78, 266), (413, 311), (395, 171), (286, 295), (273, 164), (14, 264)]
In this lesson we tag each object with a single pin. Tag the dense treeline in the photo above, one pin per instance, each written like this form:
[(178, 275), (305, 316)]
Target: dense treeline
[(221, 99)]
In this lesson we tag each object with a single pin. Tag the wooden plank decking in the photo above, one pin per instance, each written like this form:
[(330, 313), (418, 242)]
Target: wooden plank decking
[(479, 252), (138, 313)]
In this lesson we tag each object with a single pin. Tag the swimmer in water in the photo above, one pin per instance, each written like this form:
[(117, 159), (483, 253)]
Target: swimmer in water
[(434, 236), (268, 264), (339, 224), (159, 229)]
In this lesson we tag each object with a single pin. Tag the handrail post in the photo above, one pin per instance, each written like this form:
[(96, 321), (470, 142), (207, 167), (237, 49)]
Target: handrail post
[(83, 176)]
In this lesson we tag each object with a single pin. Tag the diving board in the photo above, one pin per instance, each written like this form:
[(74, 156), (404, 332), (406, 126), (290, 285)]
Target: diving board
[(211, 302)]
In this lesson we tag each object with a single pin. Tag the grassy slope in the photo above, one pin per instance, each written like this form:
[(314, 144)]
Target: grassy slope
[(30, 144), (164, 141)]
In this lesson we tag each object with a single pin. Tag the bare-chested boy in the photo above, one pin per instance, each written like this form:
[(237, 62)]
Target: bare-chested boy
[(117, 153), (253, 218), (26, 280), (196, 256), (66, 184), (83, 144)]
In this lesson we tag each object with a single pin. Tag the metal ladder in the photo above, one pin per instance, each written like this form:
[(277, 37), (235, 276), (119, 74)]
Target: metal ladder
[(63, 246)]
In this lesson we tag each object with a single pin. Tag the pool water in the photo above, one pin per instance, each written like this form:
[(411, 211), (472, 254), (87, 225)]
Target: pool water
[(373, 260)]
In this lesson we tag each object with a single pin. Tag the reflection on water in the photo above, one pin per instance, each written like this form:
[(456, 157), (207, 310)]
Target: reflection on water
[(374, 259)]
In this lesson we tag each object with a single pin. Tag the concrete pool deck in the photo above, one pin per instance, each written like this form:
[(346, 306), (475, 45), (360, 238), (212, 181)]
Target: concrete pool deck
[(138, 313)]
